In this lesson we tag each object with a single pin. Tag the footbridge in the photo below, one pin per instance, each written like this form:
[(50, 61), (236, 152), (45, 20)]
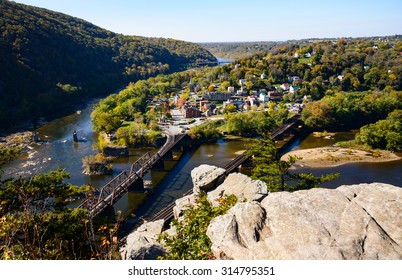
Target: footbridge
[(128, 180)]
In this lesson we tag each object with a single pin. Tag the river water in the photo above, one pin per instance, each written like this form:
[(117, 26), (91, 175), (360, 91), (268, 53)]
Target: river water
[(352, 173), (58, 150)]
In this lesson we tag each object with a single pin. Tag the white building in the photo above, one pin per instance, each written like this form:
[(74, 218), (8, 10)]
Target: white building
[(285, 86), (293, 89), (263, 97)]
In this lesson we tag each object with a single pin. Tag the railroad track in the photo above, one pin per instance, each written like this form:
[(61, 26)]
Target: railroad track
[(167, 212)]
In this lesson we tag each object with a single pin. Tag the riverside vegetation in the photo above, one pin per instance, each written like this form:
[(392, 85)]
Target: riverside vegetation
[(35, 224)]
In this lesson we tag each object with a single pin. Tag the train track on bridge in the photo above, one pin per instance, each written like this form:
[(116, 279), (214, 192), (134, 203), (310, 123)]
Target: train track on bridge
[(167, 212)]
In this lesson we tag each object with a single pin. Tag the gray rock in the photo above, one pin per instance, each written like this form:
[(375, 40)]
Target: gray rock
[(147, 252), (206, 177), (143, 244), (241, 228), (352, 222), (242, 186), (369, 197), (182, 204)]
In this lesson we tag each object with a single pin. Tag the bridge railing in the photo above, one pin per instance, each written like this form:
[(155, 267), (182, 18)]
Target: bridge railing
[(105, 191), (114, 189), (139, 163), (109, 187)]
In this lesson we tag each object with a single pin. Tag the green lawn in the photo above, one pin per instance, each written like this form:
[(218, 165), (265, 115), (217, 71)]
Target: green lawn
[(304, 60)]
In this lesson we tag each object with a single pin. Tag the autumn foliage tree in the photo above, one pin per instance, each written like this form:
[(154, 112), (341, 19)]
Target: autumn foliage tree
[(35, 224)]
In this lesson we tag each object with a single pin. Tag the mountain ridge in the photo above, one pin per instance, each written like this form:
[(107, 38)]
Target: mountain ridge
[(49, 60)]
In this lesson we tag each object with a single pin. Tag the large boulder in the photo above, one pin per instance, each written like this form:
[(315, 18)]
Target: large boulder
[(240, 229), (242, 186), (206, 177), (351, 222), (142, 244)]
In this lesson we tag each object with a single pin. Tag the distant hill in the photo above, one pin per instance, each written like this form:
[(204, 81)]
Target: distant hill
[(238, 50), (50, 60)]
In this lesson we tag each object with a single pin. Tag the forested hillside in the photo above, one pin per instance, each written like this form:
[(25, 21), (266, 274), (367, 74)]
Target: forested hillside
[(237, 50), (49, 60)]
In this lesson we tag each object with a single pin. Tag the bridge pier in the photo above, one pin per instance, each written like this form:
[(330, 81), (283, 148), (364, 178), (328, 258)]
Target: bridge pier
[(179, 148), (159, 165), (137, 186), (279, 137), (168, 155), (108, 212)]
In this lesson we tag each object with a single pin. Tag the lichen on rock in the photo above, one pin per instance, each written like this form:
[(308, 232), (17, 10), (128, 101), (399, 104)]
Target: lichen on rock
[(353, 222)]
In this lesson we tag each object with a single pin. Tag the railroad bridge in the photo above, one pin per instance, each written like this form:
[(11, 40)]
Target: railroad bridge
[(131, 180), (128, 180), (277, 134)]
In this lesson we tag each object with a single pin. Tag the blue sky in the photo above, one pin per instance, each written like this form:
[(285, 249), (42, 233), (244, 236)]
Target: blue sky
[(235, 20)]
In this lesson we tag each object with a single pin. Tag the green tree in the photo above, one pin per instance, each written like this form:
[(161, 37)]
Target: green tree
[(280, 114), (275, 171), (191, 241), (224, 86), (384, 134), (136, 134), (249, 124), (317, 114), (231, 108), (35, 224), (105, 122), (207, 131)]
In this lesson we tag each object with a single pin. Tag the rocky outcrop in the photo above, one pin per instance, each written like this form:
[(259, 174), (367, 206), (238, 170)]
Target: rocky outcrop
[(242, 186), (351, 222), (183, 203), (142, 244), (205, 177)]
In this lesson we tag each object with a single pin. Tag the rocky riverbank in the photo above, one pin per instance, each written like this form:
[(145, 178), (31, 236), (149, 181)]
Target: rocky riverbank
[(20, 140), (351, 222), (13, 144)]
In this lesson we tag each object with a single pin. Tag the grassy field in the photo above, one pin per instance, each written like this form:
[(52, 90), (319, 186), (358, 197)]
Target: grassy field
[(304, 60)]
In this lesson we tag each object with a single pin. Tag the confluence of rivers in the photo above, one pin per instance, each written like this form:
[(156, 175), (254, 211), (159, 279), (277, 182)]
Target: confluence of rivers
[(60, 151)]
